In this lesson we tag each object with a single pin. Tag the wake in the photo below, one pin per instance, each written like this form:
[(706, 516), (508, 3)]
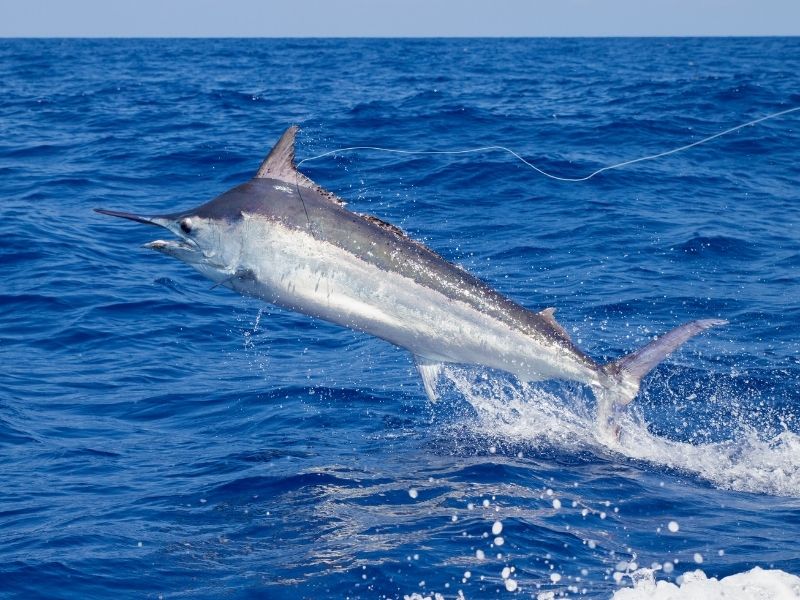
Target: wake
[(526, 413)]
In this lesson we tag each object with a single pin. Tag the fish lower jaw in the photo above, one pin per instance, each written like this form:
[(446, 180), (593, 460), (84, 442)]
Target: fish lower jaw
[(179, 249), (162, 245)]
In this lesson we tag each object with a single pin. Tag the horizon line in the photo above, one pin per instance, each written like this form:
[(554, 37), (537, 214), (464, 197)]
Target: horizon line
[(395, 37)]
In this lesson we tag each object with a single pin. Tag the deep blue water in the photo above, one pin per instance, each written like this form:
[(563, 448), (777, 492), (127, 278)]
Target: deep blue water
[(159, 438)]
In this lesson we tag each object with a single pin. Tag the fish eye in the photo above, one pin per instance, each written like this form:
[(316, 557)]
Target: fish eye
[(186, 225)]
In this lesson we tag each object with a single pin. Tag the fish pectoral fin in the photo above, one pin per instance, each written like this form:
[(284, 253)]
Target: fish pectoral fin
[(245, 274), (240, 273), (430, 372)]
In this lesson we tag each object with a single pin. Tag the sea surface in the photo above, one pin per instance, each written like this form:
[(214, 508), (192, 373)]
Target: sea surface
[(163, 439)]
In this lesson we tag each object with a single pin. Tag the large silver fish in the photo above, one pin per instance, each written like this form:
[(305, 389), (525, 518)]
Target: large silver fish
[(282, 238)]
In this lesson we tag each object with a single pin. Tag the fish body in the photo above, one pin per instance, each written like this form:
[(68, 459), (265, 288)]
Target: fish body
[(284, 239)]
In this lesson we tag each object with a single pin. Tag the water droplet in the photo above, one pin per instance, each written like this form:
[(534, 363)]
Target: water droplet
[(673, 526)]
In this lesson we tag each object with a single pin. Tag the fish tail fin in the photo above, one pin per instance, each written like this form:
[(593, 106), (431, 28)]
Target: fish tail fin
[(625, 374)]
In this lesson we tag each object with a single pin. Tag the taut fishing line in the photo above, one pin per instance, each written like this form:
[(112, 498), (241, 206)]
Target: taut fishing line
[(542, 171)]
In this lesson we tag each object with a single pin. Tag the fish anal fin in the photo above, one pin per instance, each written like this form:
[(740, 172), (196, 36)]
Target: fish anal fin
[(280, 165), (430, 372), (548, 314)]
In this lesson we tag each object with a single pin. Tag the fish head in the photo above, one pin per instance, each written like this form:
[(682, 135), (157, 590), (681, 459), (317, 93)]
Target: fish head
[(203, 241), (214, 238)]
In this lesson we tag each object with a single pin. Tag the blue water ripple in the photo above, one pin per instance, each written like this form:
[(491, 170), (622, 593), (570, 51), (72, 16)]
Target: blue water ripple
[(159, 438)]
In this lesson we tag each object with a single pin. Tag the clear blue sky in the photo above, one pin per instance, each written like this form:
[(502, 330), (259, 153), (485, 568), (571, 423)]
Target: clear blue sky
[(290, 18)]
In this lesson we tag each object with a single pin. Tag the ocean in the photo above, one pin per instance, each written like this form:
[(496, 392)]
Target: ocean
[(160, 438)]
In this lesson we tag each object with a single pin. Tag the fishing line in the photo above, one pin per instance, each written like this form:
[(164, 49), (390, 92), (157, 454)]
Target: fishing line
[(542, 171), (303, 202)]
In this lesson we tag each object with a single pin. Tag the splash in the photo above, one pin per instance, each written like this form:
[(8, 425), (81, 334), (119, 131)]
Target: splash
[(564, 418), (756, 583)]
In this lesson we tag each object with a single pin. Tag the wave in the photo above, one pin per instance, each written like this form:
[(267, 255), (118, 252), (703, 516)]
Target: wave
[(719, 245)]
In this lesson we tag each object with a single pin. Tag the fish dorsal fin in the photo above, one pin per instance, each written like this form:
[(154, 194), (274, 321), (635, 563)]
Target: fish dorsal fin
[(280, 165), (395, 230), (548, 314), (384, 225)]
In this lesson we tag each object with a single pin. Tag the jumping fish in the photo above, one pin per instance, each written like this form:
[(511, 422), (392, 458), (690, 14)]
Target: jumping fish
[(283, 238)]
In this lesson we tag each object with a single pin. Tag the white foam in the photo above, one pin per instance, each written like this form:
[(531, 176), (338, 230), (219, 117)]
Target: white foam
[(747, 463), (527, 413), (756, 584)]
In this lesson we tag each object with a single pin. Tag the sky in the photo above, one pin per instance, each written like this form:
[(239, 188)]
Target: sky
[(393, 18)]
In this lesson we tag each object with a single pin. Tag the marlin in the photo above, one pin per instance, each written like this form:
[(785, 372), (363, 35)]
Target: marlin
[(284, 239)]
